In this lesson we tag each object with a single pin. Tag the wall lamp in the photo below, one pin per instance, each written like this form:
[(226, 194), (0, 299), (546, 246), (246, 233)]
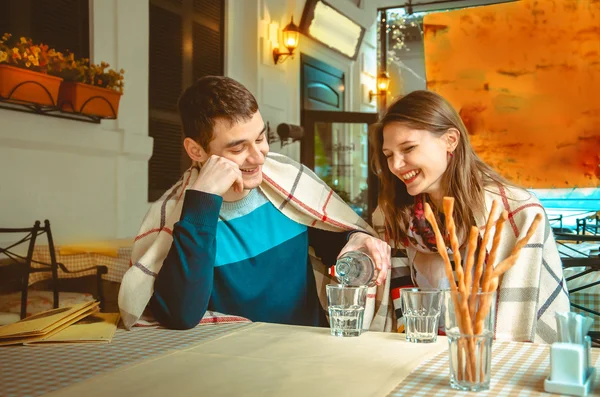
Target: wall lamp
[(383, 82), (291, 36)]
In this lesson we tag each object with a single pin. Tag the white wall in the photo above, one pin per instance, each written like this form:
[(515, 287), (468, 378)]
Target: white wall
[(277, 87), (89, 180)]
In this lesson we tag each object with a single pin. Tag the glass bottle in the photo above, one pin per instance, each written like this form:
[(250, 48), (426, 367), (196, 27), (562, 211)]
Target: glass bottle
[(356, 268)]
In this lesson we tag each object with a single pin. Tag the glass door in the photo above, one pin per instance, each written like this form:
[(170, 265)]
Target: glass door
[(336, 147)]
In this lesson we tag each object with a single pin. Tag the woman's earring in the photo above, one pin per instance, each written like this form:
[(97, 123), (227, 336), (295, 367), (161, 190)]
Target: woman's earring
[(451, 154)]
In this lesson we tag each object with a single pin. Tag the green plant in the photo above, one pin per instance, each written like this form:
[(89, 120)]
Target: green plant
[(83, 71), (23, 53)]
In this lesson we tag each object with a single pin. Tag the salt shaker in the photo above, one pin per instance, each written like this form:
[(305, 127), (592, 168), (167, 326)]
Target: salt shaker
[(356, 268)]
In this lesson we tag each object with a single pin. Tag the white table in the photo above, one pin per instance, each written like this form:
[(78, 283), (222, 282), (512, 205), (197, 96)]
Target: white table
[(268, 360), (242, 359)]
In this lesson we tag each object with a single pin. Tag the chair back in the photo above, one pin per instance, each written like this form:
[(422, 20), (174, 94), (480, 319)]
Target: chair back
[(582, 272), (11, 256)]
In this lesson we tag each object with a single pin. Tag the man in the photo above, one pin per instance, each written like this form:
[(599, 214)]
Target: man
[(235, 248)]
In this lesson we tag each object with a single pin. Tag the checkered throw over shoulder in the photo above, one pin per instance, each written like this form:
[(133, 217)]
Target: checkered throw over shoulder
[(293, 189), (528, 294)]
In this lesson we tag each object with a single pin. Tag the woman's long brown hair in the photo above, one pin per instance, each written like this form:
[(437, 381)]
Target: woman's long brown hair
[(465, 178)]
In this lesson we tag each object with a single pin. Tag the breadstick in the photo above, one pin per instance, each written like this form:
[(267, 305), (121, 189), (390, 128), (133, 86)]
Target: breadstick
[(505, 265), (448, 204), (493, 285), (470, 260), (502, 268), (461, 310), (484, 305), (481, 258), (441, 246), (463, 288), (473, 310), (489, 268)]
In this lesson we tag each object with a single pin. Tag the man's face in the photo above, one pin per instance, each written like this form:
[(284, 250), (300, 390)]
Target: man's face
[(244, 143)]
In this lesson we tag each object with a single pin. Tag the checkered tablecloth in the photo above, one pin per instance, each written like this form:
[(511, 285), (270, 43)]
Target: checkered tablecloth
[(35, 370), (590, 301), (518, 369), (588, 297), (117, 266)]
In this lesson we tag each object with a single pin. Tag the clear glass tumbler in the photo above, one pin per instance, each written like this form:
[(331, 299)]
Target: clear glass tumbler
[(346, 309), (421, 313), (470, 343)]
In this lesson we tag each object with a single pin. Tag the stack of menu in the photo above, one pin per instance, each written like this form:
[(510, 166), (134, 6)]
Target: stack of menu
[(76, 324)]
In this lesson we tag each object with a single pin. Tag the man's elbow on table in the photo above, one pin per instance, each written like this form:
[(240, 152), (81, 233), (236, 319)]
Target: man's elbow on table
[(180, 320)]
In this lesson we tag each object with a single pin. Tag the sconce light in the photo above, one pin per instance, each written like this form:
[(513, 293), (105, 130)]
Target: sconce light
[(383, 82), (291, 36)]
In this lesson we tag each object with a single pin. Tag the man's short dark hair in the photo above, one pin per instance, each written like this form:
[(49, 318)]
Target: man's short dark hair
[(211, 98)]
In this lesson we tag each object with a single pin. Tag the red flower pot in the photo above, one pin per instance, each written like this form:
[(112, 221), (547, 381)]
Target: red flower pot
[(89, 99), (23, 85)]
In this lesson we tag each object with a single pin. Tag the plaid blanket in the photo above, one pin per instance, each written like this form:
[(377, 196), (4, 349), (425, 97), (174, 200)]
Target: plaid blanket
[(529, 293), (293, 189)]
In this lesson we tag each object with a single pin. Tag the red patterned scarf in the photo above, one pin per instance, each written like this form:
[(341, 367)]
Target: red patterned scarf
[(420, 233)]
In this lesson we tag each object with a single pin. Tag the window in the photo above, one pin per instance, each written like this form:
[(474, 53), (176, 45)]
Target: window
[(186, 43), (565, 200), (61, 24)]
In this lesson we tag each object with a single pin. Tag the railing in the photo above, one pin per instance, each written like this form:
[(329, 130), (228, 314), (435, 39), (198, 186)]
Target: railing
[(49, 110)]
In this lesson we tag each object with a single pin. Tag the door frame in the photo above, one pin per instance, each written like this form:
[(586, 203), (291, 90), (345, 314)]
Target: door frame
[(309, 118)]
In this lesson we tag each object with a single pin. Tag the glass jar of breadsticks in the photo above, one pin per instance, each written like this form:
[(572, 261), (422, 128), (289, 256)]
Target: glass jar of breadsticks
[(470, 303)]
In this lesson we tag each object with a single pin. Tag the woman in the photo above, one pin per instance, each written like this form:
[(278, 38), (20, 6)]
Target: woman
[(421, 154)]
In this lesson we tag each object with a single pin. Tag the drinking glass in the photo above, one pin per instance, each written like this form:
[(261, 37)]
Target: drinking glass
[(470, 344), (421, 313), (346, 309)]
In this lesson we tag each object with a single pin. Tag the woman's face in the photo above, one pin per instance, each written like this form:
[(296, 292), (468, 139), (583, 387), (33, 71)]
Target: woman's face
[(417, 157)]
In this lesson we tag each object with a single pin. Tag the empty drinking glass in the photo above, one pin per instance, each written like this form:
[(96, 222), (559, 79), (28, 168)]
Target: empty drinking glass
[(421, 312), (346, 309)]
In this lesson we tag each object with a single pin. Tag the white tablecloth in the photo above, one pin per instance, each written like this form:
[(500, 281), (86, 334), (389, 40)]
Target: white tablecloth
[(268, 360)]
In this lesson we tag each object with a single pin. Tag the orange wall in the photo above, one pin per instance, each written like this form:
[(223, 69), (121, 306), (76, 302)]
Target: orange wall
[(526, 79)]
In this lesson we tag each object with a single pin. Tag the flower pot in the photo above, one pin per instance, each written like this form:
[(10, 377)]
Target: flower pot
[(88, 99), (23, 85)]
